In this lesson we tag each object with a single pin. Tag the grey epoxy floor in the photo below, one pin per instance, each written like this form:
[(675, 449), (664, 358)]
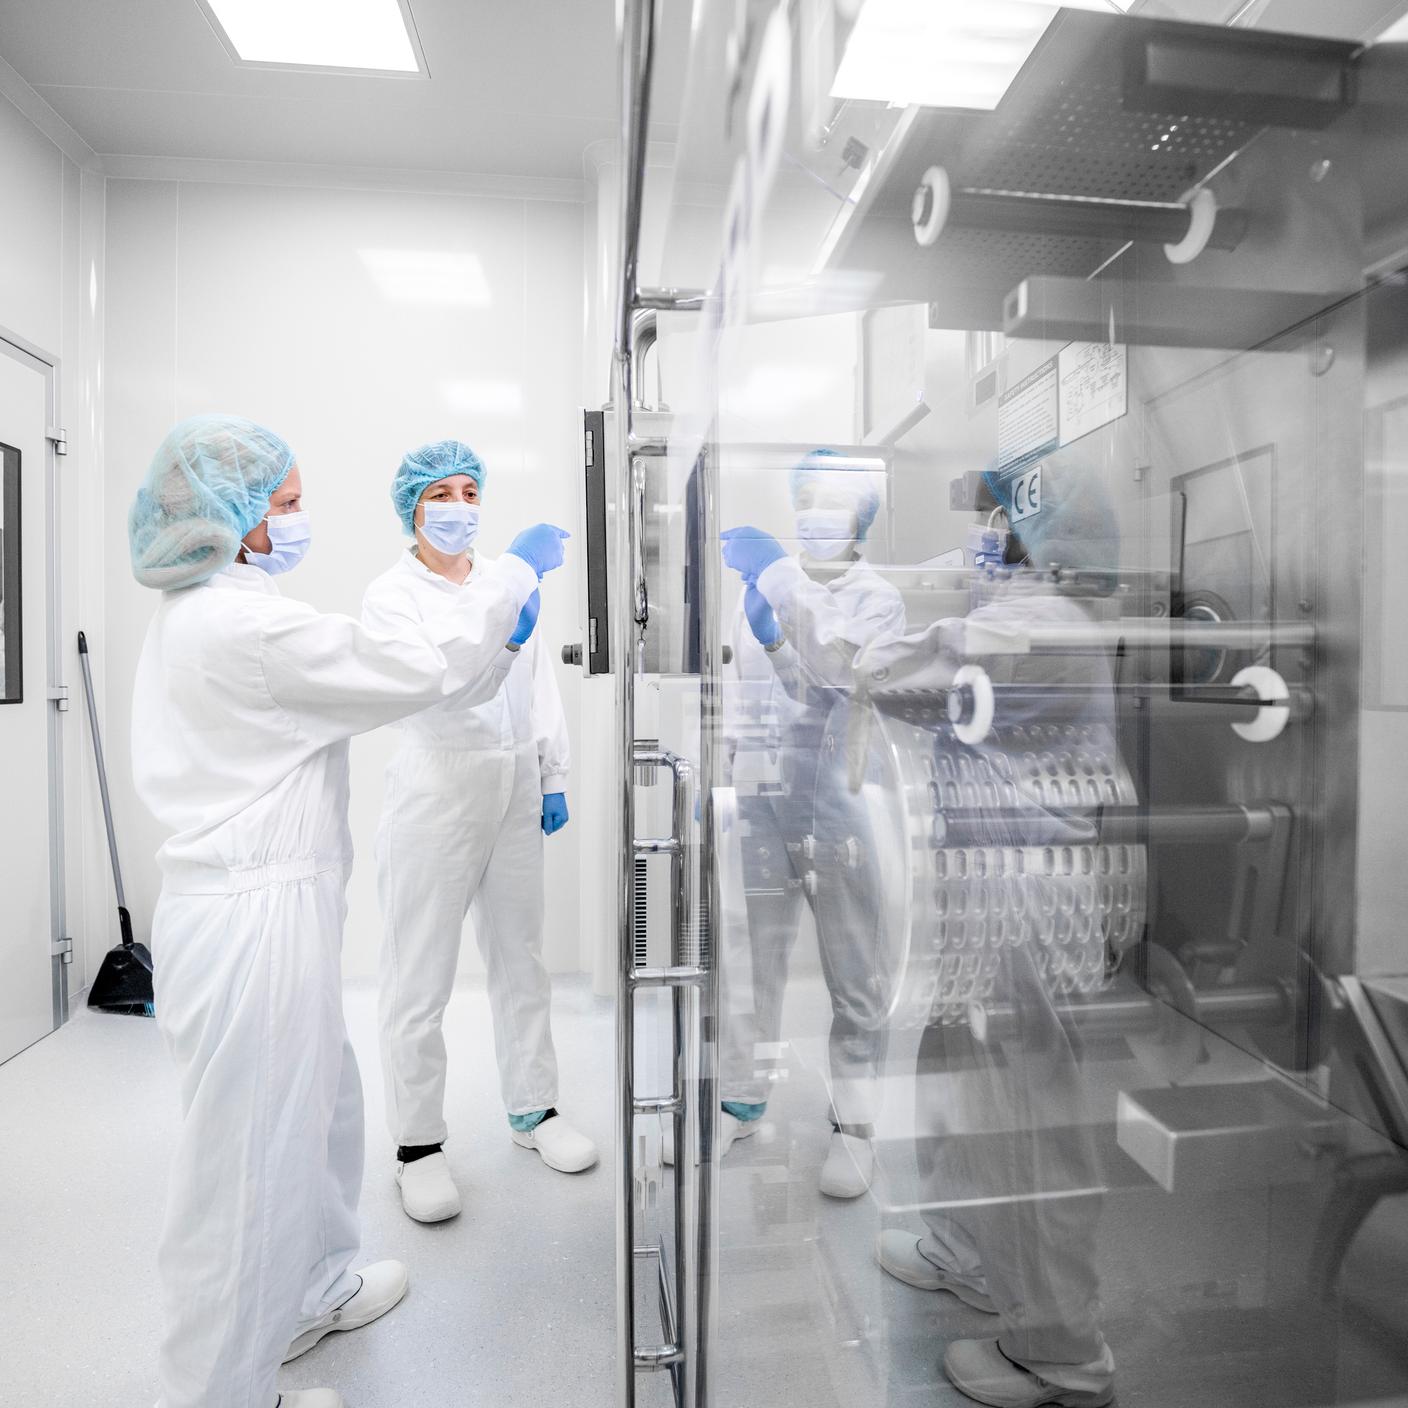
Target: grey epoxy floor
[(512, 1305)]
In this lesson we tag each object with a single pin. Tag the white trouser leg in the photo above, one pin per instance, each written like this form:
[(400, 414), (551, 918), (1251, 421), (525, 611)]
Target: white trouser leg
[(508, 922), (248, 991), (436, 830), (332, 1279)]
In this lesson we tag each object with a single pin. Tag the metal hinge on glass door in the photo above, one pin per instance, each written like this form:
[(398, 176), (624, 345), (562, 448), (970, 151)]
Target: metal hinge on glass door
[(62, 949), (57, 436), (58, 695)]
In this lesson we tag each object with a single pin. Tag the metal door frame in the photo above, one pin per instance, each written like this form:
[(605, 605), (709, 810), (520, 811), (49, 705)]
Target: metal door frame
[(28, 354), (686, 1296)]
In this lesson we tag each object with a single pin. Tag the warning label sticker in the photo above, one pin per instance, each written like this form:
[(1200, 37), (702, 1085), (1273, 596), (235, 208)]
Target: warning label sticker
[(1083, 387)]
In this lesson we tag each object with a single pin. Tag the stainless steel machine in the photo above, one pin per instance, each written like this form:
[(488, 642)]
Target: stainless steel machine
[(1123, 810)]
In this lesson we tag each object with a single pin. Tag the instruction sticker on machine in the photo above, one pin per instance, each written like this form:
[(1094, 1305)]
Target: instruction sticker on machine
[(1083, 387)]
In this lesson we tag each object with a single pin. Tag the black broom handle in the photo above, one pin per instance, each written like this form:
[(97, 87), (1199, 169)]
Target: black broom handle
[(124, 919)]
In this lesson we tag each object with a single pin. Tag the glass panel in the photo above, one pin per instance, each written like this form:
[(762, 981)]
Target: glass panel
[(1062, 1018)]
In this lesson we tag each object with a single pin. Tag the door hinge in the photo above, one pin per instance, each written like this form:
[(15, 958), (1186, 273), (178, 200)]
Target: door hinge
[(62, 948), (58, 437), (59, 694)]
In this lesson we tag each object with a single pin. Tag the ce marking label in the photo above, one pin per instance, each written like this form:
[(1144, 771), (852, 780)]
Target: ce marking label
[(1026, 495)]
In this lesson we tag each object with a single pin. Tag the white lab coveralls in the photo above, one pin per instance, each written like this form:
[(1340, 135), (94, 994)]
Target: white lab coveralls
[(788, 791), (461, 829), (242, 708)]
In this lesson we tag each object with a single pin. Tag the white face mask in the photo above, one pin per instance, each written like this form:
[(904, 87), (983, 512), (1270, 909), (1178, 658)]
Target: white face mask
[(826, 533), (451, 528), (289, 537)]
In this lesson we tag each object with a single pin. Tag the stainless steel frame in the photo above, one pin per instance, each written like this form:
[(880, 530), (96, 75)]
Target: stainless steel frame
[(690, 977)]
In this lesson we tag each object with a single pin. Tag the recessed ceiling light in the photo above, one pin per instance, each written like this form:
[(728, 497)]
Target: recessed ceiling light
[(1396, 33), (945, 53), (366, 36)]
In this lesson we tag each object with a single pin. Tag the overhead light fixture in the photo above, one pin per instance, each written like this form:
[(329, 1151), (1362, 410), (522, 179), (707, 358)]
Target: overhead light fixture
[(945, 53), (1396, 33), (359, 36)]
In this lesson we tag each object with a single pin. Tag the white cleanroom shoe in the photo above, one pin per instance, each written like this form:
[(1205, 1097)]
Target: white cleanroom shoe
[(979, 1369), (311, 1398), (562, 1147), (730, 1130), (849, 1166), (428, 1193), (383, 1285), (898, 1253)]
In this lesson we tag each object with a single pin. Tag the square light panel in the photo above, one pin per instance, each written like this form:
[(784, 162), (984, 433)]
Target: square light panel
[(366, 36), (945, 53)]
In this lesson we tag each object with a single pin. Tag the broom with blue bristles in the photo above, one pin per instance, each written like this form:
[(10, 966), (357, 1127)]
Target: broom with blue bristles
[(124, 981)]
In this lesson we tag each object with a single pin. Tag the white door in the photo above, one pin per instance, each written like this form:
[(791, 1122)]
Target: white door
[(27, 916)]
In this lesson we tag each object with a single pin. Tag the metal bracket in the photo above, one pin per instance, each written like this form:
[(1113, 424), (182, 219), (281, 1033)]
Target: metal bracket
[(57, 436), (62, 949), (59, 695)]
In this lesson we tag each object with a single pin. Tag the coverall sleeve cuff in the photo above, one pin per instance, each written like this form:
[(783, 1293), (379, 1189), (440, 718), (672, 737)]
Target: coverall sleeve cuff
[(779, 580), (554, 782), (517, 576)]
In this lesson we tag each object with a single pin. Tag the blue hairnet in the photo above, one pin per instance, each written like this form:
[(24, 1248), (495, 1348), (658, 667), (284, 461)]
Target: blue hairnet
[(426, 465), (813, 469), (208, 484), (1074, 527)]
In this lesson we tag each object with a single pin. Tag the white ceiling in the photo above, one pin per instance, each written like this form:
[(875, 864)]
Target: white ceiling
[(516, 87)]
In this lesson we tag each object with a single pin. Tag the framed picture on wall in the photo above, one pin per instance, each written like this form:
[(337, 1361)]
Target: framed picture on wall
[(11, 645)]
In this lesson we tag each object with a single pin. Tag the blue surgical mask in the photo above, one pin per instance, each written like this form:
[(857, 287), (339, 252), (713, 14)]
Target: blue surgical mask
[(826, 533), (451, 528), (289, 537)]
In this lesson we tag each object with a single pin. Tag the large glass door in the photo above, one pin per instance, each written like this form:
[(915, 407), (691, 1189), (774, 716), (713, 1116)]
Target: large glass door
[(1012, 1019)]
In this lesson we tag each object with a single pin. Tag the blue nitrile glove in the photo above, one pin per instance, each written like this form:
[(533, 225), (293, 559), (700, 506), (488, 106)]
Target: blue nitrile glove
[(761, 620), (527, 619), (540, 547), (554, 812), (750, 551)]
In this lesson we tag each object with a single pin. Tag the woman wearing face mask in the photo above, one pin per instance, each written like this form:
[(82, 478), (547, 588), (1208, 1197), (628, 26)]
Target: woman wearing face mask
[(242, 708), (473, 789), (802, 621)]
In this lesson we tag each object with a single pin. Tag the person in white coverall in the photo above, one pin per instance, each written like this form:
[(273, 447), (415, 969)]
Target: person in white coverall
[(472, 790), (243, 705), (802, 621)]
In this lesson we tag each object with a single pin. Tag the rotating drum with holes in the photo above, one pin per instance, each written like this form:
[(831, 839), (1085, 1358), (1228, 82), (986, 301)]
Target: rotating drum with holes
[(989, 850)]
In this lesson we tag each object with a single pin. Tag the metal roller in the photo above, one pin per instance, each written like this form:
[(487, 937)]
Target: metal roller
[(948, 910)]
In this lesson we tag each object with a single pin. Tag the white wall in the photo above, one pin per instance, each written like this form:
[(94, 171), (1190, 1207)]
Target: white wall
[(267, 301), (51, 295)]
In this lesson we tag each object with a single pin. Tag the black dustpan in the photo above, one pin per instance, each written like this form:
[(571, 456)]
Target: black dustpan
[(124, 981)]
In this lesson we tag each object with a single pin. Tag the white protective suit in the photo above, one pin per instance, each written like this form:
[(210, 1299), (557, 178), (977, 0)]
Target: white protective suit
[(787, 791), (243, 705), (461, 828)]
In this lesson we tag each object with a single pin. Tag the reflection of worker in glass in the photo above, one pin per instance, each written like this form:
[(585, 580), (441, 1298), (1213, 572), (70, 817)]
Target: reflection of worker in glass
[(802, 832), (1009, 1178)]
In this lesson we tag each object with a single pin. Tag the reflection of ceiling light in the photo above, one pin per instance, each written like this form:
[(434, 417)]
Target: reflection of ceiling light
[(944, 53), (354, 34), (428, 276), (1396, 33), (482, 398)]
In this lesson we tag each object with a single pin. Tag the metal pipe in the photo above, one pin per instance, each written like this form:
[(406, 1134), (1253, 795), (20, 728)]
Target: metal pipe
[(1087, 217), (637, 47), (671, 300), (1107, 825), (1249, 1004), (645, 332), (1159, 633)]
